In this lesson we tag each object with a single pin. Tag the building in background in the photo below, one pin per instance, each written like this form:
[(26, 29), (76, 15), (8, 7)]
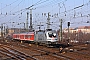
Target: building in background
[(83, 29)]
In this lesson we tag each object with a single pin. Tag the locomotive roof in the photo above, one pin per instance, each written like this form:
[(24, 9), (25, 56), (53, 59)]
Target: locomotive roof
[(51, 31)]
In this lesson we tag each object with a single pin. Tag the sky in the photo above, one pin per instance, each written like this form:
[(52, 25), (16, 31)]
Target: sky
[(77, 12)]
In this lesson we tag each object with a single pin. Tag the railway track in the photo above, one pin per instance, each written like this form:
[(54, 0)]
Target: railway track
[(36, 52), (80, 52), (15, 54), (44, 51)]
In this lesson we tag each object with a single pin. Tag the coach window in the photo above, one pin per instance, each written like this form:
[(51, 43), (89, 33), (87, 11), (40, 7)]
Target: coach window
[(18, 36), (29, 36), (26, 36)]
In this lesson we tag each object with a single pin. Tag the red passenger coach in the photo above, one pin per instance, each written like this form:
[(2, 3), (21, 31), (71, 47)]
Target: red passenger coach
[(24, 36), (29, 36), (16, 36)]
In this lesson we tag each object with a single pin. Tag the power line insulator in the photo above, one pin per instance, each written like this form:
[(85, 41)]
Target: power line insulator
[(6, 13)]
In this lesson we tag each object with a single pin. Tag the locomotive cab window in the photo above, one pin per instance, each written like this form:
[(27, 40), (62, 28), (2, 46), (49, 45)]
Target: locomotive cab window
[(52, 34)]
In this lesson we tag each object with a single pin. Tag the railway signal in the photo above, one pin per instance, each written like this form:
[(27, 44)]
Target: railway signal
[(1, 30), (68, 23), (68, 33)]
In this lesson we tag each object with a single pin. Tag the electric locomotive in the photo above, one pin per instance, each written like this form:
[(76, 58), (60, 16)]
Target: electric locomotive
[(48, 36)]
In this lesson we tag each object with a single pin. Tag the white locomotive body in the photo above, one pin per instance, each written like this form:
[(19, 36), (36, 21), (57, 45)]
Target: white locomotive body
[(47, 37)]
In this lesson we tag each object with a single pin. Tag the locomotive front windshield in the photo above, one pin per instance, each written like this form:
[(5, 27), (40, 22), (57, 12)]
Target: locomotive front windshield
[(52, 34)]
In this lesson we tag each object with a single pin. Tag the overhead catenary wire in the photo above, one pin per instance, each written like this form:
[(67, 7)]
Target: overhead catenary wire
[(25, 8), (37, 3), (17, 5), (8, 4), (7, 12), (76, 7), (53, 3), (50, 3), (10, 11)]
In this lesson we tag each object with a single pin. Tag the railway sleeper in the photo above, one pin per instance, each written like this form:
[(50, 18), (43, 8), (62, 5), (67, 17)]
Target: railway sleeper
[(18, 54)]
